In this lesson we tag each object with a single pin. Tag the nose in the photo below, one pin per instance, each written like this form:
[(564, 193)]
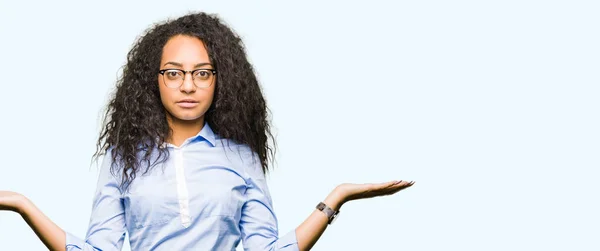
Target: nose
[(188, 85)]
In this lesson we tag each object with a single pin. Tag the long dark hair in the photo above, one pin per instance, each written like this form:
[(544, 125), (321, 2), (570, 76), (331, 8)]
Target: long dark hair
[(135, 121)]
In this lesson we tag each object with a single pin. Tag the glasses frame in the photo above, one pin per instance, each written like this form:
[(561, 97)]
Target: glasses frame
[(213, 71)]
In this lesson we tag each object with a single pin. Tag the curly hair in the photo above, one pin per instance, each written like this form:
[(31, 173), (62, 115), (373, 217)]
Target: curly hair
[(135, 119)]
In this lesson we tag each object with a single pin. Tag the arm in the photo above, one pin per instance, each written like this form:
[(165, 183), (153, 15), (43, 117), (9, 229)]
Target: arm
[(49, 233), (107, 225), (313, 227), (258, 223)]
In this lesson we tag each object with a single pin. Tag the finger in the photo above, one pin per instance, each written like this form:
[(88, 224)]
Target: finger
[(393, 183), (386, 188), (393, 186), (384, 185), (405, 184), (389, 190), (401, 186)]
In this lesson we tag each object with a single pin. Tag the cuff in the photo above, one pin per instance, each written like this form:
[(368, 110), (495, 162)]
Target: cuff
[(73, 243), (288, 242)]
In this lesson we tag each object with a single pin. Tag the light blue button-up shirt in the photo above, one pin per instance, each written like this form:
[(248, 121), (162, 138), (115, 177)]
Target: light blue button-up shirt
[(210, 194)]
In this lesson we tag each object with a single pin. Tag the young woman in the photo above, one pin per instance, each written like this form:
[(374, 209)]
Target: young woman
[(185, 151)]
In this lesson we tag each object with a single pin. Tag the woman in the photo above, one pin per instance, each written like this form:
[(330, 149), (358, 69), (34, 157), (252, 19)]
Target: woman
[(185, 152)]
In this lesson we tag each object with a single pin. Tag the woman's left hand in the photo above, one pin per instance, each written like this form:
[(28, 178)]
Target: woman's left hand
[(11, 201), (350, 192)]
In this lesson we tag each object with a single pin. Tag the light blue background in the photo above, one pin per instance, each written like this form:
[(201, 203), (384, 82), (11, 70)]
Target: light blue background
[(491, 106)]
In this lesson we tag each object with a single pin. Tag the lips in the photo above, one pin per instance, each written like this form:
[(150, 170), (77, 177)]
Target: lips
[(187, 103)]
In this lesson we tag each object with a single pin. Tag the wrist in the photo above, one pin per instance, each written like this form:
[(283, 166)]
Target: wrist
[(23, 206), (335, 199)]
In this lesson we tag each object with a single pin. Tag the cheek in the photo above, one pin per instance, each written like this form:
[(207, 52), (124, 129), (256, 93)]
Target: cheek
[(210, 100), (165, 93), (210, 95)]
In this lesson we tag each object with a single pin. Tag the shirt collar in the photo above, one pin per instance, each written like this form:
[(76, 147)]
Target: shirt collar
[(206, 133)]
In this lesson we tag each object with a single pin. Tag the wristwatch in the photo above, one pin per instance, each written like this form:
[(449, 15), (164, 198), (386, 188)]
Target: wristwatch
[(329, 212)]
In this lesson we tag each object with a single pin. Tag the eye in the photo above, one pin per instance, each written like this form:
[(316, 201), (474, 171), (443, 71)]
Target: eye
[(173, 75), (203, 74)]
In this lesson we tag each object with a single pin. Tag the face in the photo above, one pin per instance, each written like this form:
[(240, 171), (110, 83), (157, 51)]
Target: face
[(187, 102)]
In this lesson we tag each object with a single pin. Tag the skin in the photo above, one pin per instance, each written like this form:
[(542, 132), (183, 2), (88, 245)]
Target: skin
[(186, 53)]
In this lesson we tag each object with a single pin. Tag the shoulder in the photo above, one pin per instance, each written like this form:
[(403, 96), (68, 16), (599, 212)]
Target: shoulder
[(109, 174), (241, 157)]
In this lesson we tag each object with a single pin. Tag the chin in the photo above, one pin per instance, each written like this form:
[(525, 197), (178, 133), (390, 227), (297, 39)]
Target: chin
[(185, 115), (188, 117)]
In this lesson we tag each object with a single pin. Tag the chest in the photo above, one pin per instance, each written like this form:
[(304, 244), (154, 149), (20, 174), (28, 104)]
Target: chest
[(185, 188)]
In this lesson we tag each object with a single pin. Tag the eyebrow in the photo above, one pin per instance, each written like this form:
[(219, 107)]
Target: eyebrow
[(180, 65)]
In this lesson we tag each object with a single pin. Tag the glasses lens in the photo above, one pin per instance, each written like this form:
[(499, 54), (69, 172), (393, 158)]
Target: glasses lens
[(203, 78), (173, 78)]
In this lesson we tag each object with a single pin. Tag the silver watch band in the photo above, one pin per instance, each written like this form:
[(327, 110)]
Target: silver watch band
[(329, 212)]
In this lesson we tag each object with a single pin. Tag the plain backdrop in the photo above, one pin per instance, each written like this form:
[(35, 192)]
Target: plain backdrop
[(491, 106)]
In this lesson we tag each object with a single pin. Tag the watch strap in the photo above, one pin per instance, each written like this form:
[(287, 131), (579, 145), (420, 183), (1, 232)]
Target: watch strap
[(329, 212)]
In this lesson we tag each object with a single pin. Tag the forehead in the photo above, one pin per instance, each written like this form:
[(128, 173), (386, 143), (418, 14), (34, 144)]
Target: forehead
[(186, 50)]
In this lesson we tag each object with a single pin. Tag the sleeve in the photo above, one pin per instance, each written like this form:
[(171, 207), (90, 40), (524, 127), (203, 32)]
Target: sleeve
[(106, 229), (258, 224)]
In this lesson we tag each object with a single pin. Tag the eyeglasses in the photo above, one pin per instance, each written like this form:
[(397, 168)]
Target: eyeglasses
[(202, 78)]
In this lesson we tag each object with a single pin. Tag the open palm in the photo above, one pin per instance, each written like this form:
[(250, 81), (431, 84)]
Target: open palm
[(369, 190)]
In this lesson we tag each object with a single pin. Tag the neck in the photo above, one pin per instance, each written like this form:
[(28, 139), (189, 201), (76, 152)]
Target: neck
[(183, 129)]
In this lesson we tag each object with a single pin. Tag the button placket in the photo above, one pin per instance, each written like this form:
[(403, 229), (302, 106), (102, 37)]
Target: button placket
[(182, 191)]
